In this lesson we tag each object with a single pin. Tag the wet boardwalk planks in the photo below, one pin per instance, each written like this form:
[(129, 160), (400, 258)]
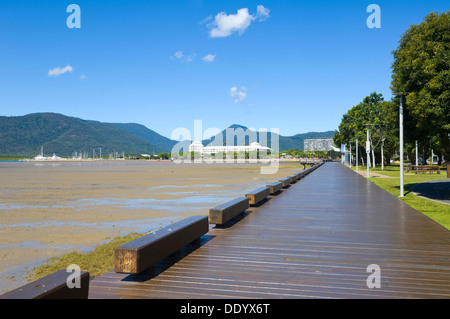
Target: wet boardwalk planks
[(314, 240)]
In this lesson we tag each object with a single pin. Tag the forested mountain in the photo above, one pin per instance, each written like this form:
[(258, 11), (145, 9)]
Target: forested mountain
[(242, 133), (64, 135)]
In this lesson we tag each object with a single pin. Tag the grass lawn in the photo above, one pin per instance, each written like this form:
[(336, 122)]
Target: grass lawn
[(96, 262), (437, 211)]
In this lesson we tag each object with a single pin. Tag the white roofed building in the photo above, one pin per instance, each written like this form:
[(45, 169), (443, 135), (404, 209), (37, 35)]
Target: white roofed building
[(197, 146)]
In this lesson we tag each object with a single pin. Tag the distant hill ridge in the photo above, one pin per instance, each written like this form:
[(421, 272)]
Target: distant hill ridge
[(64, 135), (285, 142)]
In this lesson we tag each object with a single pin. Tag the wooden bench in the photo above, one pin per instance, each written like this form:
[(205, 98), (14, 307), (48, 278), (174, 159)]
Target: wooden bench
[(274, 188), (53, 286), (285, 182), (424, 169), (142, 253), (222, 213), (293, 178), (258, 195)]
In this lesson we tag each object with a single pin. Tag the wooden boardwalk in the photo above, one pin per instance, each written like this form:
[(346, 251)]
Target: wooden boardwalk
[(314, 240)]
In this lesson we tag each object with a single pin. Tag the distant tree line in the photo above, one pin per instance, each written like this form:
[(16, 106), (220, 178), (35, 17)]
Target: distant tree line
[(421, 70), (311, 154)]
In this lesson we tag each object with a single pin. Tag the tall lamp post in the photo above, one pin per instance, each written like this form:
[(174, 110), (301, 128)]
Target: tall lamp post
[(401, 95), (367, 151)]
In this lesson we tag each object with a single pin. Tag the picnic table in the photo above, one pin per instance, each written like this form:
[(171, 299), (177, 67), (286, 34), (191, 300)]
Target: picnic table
[(424, 169)]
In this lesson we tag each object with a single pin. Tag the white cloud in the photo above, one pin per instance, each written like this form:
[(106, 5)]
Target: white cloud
[(59, 71), (190, 58), (225, 25), (83, 77), (184, 58), (179, 55), (206, 20), (238, 95), (209, 58), (262, 13)]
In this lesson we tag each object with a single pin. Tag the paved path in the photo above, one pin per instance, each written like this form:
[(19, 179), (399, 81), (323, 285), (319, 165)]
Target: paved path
[(314, 240), (437, 190)]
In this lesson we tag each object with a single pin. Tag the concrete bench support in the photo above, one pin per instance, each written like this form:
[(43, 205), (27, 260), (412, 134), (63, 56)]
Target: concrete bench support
[(140, 254), (258, 195), (221, 214)]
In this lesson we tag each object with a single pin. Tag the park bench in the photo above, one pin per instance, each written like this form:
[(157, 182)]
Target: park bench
[(53, 286), (274, 188), (258, 195), (222, 213), (424, 169), (142, 253), (285, 182)]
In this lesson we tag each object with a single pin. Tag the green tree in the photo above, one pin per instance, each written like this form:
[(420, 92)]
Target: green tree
[(164, 156), (421, 69), (374, 112)]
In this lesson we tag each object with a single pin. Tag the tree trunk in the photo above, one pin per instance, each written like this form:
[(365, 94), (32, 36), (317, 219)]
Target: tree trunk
[(373, 158), (382, 156), (373, 153)]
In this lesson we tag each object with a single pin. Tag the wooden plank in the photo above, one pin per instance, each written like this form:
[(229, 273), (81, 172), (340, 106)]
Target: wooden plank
[(140, 254), (223, 213), (275, 188), (53, 286), (258, 195), (314, 240)]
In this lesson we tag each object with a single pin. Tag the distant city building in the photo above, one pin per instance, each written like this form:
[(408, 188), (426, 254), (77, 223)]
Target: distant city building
[(197, 146), (319, 144)]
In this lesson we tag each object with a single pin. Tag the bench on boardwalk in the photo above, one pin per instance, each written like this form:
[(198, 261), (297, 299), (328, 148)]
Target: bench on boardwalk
[(142, 253), (285, 182), (274, 188), (53, 286), (222, 213), (258, 195)]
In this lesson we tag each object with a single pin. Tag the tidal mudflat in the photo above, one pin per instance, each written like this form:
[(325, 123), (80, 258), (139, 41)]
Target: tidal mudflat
[(51, 208)]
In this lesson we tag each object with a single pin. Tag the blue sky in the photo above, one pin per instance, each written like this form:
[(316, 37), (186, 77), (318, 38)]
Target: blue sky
[(293, 65)]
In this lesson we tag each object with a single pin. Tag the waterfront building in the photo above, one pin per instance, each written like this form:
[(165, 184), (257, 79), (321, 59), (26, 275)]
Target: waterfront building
[(319, 144), (198, 147)]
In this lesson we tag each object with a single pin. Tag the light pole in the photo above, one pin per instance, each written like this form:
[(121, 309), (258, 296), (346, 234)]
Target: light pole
[(417, 155), (350, 143), (401, 94), (368, 151)]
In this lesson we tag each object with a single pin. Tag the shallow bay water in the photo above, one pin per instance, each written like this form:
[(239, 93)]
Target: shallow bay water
[(51, 208)]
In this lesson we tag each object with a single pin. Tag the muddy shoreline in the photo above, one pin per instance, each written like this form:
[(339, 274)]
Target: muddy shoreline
[(51, 208)]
